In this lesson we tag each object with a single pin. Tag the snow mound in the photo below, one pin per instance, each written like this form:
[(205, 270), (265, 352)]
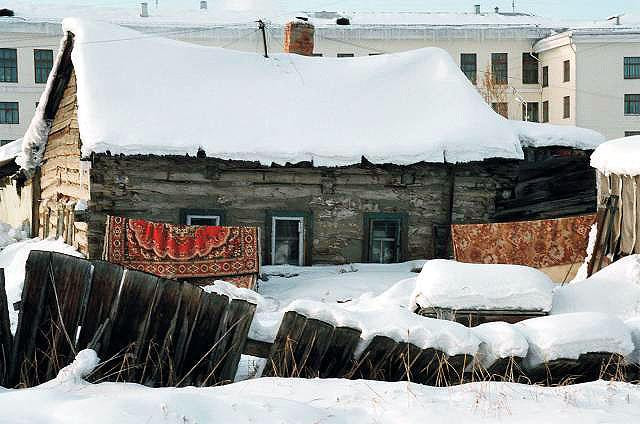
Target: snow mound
[(568, 336), (615, 290), (84, 363), (232, 292), (10, 235), (618, 156), (13, 259), (398, 108), (533, 134), (456, 285), (499, 340)]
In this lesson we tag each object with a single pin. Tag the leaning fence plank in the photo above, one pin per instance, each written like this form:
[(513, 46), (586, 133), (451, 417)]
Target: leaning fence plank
[(186, 320), (281, 362), (338, 359), (401, 361), (240, 316), (6, 339), (312, 347), (371, 363)]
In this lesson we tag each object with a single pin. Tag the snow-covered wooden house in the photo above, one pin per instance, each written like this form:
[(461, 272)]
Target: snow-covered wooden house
[(337, 160)]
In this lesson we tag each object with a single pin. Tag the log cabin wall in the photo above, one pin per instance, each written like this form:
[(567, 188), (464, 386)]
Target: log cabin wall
[(64, 178)]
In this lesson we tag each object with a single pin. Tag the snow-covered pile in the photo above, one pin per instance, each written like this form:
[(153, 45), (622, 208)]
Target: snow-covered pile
[(455, 285), (13, 259), (10, 235), (401, 108), (533, 134), (331, 401), (499, 340), (568, 336), (620, 156), (615, 290)]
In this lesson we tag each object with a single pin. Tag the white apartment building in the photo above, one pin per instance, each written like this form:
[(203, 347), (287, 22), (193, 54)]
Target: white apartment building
[(522, 56)]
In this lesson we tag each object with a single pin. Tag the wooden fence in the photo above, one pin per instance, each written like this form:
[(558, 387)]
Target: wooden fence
[(160, 332)]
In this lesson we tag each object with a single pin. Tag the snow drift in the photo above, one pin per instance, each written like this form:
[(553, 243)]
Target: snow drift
[(620, 156)]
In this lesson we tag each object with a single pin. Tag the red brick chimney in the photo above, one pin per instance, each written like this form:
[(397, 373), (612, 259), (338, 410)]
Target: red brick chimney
[(298, 37)]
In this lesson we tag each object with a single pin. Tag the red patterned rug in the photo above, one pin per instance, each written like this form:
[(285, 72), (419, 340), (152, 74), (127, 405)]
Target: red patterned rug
[(196, 253), (538, 244)]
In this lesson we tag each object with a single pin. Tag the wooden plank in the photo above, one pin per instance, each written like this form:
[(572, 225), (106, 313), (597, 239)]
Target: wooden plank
[(312, 347), (189, 307), (257, 348), (104, 290), (240, 316), (281, 361), (6, 338), (338, 359), (371, 363), (401, 361), (425, 367)]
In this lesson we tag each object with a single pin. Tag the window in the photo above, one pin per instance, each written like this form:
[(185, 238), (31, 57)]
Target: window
[(631, 133), (529, 68), (316, 54), (545, 111), (566, 109), (545, 76), (287, 240), (8, 65), (567, 71), (632, 104), (210, 217), (43, 62), (499, 68), (501, 109), (3, 142), (469, 66), (375, 54), (385, 235), (346, 55), (530, 112), (9, 113), (631, 67)]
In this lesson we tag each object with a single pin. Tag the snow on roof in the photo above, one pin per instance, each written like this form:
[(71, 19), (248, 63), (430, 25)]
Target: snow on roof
[(10, 151), (620, 156), (568, 336), (533, 134), (456, 285), (142, 94)]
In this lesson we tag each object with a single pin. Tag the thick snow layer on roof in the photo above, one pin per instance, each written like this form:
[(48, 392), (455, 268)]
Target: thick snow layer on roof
[(456, 285), (499, 340), (10, 151), (533, 134), (615, 289), (568, 336), (620, 156), (401, 108)]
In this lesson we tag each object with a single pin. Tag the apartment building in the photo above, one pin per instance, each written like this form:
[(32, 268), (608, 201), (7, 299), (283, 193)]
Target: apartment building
[(527, 67)]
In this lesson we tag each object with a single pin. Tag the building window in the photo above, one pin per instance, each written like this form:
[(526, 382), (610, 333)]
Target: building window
[(8, 65), (530, 112), (210, 220), (375, 54), (499, 68), (545, 111), (208, 217), (9, 113), (632, 104), (567, 71), (385, 235), (566, 110), (346, 55), (469, 66), (316, 54), (631, 133), (287, 240), (4, 142), (501, 108), (529, 68), (631, 67), (43, 62)]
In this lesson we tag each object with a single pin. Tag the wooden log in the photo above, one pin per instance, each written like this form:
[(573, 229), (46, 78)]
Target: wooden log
[(104, 289), (371, 365), (312, 347), (202, 340), (281, 361), (338, 359), (6, 338)]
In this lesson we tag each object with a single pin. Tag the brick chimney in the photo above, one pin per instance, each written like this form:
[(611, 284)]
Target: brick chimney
[(298, 37)]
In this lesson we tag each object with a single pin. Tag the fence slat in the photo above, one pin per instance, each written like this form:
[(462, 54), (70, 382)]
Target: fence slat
[(281, 361), (240, 317), (338, 359), (371, 363), (6, 339), (312, 347)]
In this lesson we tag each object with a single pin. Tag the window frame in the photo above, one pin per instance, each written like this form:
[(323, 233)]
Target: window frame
[(545, 76), (474, 72), (306, 238), (343, 55), (530, 60), (12, 68), (185, 213), (628, 66), (545, 111), (403, 245), (496, 108), (4, 111), (525, 109), (37, 68), (301, 224), (566, 71), (627, 104), (631, 133), (504, 80), (566, 107)]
